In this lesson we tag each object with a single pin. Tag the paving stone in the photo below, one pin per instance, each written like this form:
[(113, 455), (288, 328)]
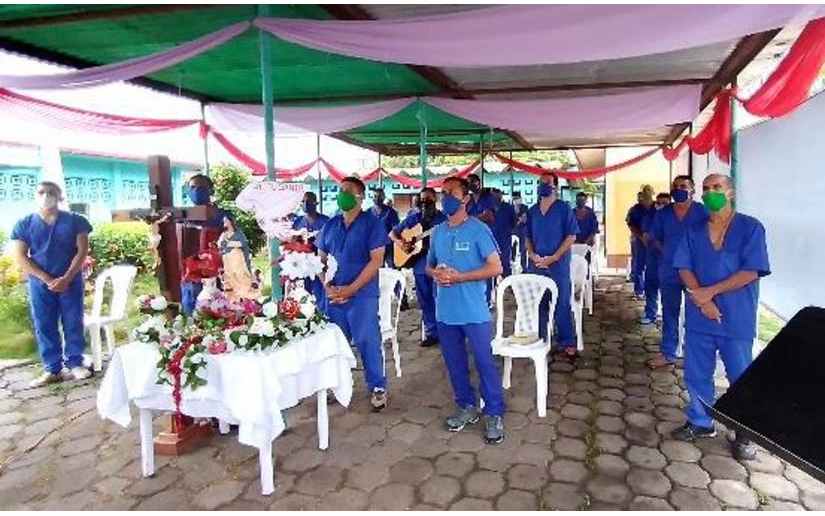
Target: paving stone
[(720, 467), (472, 504), (295, 502), (428, 448), (734, 493), (648, 482), (440, 490), (421, 415), (638, 404), (215, 495), (780, 505), (610, 408), (484, 484), (367, 434), (574, 411), (813, 501), (392, 497), (612, 394), (568, 447), (320, 481), (349, 456), (642, 436), (159, 482), (165, 501), (343, 500), (565, 470), (646, 503), (680, 451), (644, 457), (608, 489), (687, 475), (611, 465), (539, 434), (78, 480), (454, 464), (527, 476), (666, 400), (387, 453), (406, 432), (719, 445), (412, 470), (581, 398), (613, 383), (774, 486), (803, 480), (640, 419), (572, 427), (368, 478), (637, 378), (685, 499), (610, 443), (8, 431), (585, 374), (496, 458), (585, 386), (610, 424), (303, 460), (764, 463), (515, 500), (205, 473)]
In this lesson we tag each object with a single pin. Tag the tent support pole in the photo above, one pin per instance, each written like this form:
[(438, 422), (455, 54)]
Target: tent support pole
[(205, 141), (318, 172), (481, 157), (734, 145), (690, 153), (512, 177), (380, 173), (269, 135)]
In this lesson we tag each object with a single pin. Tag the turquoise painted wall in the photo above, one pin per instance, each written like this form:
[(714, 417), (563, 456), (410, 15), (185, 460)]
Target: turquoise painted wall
[(17, 187)]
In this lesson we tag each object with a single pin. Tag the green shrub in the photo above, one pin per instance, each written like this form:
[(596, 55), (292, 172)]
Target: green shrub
[(229, 181), (4, 239), (121, 242)]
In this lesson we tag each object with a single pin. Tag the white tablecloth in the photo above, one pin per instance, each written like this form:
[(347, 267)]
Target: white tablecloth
[(247, 389)]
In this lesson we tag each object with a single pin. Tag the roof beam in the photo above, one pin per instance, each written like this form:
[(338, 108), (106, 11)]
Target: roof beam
[(103, 14)]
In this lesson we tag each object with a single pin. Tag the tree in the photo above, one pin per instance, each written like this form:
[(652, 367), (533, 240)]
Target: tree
[(229, 180)]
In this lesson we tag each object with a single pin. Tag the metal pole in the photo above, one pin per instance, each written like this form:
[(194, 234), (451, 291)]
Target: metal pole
[(481, 157), (205, 142), (734, 146), (690, 153), (511, 177), (318, 171), (422, 144), (269, 135), (380, 173)]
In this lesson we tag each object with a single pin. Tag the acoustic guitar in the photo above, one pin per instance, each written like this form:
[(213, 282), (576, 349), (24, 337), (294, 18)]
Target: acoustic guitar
[(415, 236)]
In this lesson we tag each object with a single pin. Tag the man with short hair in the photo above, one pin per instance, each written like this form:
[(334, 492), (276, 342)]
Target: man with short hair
[(50, 247), (313, 221), (668, 227), (551, 232), (635, 216), (588, 223), (428, 217), (720, 261), (388, 216), (356, 239), (652, 255), (462, 257)]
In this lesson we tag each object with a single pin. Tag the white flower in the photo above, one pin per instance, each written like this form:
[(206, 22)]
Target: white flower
[(308, 309), (243, 340), (292, 266), (314, 265), (158, 303), (262, 326), (270, 310)]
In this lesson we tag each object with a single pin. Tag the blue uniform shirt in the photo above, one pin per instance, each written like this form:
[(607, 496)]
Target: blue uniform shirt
[(744, 248), (388, 217), (412, 220), (351, 248), (485, 202), (303, 222), (505, 224), (668, 230), (652, 255), (588, 225), (51, 247), (465, 247), (521, 228), (636, 215), (548, 231)]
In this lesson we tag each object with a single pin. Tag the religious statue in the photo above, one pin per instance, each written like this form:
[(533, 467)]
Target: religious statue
[(154, 221), (238, 281)]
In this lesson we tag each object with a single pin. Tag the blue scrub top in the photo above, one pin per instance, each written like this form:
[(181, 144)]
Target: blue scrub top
[(388, 217), (744, 249), (412, 220), (303, 222), (652, 254), (636, 215), (51, 247), (548, 231), (465, 247), (505, 224), (588, 225), (521, 229), (668, 230), (351, 247), (485, 202)]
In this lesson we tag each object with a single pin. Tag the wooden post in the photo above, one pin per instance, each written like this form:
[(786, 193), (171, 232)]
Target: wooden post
[(160, 195)]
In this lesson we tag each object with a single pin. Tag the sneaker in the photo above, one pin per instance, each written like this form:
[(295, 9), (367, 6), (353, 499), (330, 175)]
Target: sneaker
[(463, 417), (493, 429), (79, 373), (378, 400), (743, 449), (690, 432), (429, 342), (644, 321), (46, 379)]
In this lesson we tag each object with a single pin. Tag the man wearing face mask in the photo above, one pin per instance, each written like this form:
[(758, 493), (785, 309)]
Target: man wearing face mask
[(668, 227), (635, 216), (481, 203), (388, 216), (428, 216), (551, 232), (521, 225), (311, 220), (50, 247), (356, 239), (720, 262), (652, 255), (463, 255), (587, 221), (503, 227)]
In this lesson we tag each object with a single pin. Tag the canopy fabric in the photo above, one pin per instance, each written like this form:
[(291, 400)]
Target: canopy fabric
[(537, 34)]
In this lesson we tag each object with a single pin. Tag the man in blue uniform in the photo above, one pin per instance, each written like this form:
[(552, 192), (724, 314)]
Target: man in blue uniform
[(587, 221), (503, 227), (635, 217), (356, 239), (311, 220), (462, 257), (50, 247), (388, 216), (428, 216), (521, 227), (652, 255), (551, 231), (481, 201), (720, 262), (669, 226)]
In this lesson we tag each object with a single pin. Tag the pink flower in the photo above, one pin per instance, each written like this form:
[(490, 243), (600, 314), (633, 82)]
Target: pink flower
[(250, 306), (217, 347)]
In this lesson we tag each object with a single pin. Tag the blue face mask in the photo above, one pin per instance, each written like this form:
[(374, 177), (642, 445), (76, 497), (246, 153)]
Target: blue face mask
[(546, 190), (450, 205), (199, 195), (310, 207), (679, 195)]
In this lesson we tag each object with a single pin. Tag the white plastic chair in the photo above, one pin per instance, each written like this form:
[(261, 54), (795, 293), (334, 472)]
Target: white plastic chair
[(595, 258), (582, 250), (515, 259), (122, 278), (528, 290), (578, 277), (388, 281)]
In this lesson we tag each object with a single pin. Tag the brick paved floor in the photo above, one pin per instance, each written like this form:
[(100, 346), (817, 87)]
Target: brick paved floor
[(603, 445)]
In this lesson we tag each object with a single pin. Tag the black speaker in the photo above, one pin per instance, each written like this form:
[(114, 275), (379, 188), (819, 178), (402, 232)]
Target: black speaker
[(779, 401)]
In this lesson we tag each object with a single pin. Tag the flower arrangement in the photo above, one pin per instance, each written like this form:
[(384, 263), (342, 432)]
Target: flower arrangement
[(298, 258)]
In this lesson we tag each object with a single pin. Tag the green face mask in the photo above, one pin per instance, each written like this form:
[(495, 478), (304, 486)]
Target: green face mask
[(714, 201), (346, 201)]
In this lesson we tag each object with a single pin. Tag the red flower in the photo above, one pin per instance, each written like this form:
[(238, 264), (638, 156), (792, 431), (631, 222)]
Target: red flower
[(217, 347), (289, 308), (250, 306)]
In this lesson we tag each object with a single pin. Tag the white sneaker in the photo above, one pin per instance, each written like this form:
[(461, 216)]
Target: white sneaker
[(45, 379), (80, 373)]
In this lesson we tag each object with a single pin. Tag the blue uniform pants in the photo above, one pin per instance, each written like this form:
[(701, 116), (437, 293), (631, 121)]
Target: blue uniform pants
[(700, 364), (358, 319), (454, 350), (505, 252), (671, 307), (638, 260), (563, 317), (425, 293), (48, 309), (651, 287)]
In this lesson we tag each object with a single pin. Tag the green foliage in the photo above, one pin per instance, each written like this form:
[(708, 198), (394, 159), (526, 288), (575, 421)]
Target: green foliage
[(565, 158), (121, 242), (229, 180), (4, 239), (16, 340)]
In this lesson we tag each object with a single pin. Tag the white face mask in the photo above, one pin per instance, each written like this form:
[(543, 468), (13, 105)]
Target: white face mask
[(46, 201)]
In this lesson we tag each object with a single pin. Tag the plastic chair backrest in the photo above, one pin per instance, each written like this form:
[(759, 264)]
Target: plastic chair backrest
[(121, 277), (579, 249), (578, 274), (528, 289), (388, 280)]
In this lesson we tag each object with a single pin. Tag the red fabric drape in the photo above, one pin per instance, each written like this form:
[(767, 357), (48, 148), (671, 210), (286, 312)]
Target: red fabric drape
[(338, 175), (257, 168), (716, 135), (434, 183), (73, 119), (579, 174)]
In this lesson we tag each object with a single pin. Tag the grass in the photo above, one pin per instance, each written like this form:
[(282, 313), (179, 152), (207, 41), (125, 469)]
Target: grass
[(769, 325)]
